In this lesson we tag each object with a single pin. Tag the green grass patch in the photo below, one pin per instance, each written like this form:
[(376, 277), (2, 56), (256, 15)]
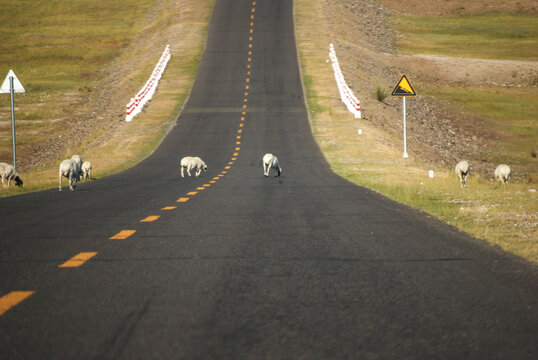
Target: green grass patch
[(508, 113), (489, 36)]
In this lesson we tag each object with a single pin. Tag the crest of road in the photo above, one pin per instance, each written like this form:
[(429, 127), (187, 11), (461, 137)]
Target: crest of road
[(145, 264)]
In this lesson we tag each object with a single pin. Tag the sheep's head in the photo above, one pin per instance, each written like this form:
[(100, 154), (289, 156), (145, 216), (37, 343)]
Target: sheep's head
[(204, 167), (279, 171), (18, 181)]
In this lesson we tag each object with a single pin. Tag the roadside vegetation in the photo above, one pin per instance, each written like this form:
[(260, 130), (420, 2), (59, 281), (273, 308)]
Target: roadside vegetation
[(80, 62), (504, 217)]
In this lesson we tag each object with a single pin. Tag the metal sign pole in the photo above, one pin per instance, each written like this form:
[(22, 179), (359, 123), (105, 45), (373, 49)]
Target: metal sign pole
[(13, 120), (405, 155)]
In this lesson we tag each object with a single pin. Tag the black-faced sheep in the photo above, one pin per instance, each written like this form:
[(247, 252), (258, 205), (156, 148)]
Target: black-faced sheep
[(192, 163), (8, 172), (462, 171), (70, 170), (86, 170), (503, 173), (270, 161)]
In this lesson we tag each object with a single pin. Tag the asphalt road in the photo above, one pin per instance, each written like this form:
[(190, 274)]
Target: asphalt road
[(302, 266)]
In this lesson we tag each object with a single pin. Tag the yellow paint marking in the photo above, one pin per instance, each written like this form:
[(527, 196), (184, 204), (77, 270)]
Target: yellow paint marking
[(236, 154), (12, 299), (182, 199), (248, 80), (216, 178), (242, 118), (237, 148), (245, 100), (253, 10), (239, 131), (243, 113), (246, 87), (224, 172), (241, 125), (250, 45), (78, 259), (207, 185), (233, 159), (251, 31), (249, 59), (246, 93), (250, 38), (212, 181), (192, 193), (252, 17), (238, 142), (248, 72), (254, 3), (200, 188), (250, 52), (231, 163), (227, 167), (122, 235), (245, 106), (169, 208), (150, 218)]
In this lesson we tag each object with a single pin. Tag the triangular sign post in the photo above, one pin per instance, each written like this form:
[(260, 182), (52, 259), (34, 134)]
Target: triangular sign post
[(403, 89), (6, 87), (12, 85)]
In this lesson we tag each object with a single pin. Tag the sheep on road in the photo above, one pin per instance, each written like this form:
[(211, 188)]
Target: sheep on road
[(70, 170), (192, 163), (270, 161)]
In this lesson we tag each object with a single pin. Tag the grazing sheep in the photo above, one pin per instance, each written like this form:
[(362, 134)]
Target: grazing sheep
[(192, 163), (78, 160), (270, 161), (462, 171), (70, 170), (86, 170), (8, 172), (502, 173)]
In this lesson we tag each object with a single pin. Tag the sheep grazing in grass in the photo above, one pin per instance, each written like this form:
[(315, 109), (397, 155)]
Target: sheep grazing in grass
[(86, 170), (270, 161), (192, 163), (69, 169), (462, 171), (8, 172), (503, 173)]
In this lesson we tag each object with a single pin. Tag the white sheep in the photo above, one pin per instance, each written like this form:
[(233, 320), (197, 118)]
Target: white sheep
[(462, 171), (8, 172), (70, 170), (502, 173), (270, 161), (86, 170), (79, 161), (192, 163)]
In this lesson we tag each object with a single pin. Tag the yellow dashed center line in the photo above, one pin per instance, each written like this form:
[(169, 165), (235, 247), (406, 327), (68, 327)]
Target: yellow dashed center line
[(182, 200), (122, 235), (192, 193), (78, 259), (150, 218), (169, 208), (12, 299)]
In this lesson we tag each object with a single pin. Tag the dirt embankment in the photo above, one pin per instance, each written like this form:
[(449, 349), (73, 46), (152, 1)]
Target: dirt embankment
[(437, 133)]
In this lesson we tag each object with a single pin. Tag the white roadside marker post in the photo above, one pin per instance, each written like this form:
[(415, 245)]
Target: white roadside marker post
[(12, 85)]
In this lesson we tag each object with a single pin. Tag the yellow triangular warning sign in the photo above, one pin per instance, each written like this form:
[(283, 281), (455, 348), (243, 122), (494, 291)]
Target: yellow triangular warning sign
[(403, 88)]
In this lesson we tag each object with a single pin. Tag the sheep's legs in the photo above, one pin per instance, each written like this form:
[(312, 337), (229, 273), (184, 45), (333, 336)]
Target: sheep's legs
[(60, 186), (4, 182), (182, 172)]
